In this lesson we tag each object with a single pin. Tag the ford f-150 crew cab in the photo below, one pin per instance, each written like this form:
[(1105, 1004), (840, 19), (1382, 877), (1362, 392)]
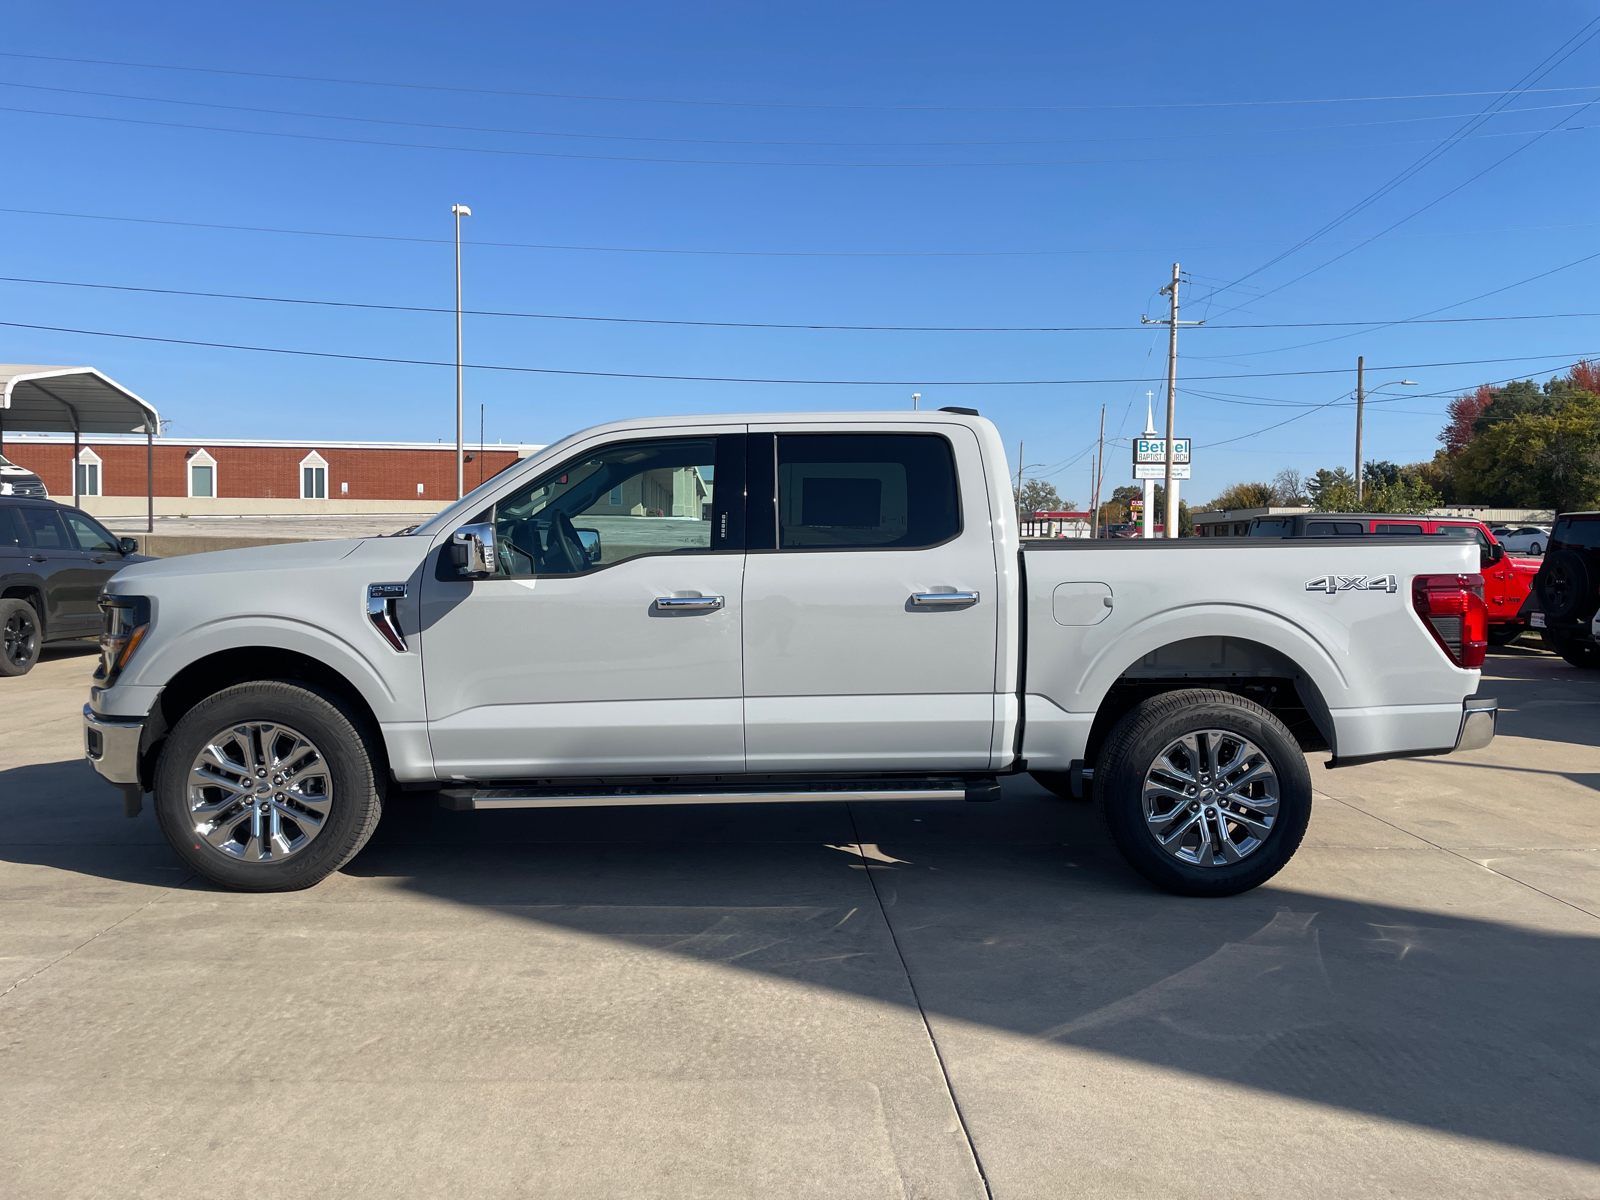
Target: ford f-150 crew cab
[(751, 608)]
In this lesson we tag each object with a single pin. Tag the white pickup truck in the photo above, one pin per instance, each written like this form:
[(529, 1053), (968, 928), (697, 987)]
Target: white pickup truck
[(770, 608)]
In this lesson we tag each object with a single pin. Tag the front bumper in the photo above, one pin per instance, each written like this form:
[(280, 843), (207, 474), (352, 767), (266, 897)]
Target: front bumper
[(1478, 715), (111, 744)]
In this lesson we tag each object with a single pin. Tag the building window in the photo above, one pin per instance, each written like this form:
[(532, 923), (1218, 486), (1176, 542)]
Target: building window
[(202, 474), (615, 499), (88, 471), (313, 477)]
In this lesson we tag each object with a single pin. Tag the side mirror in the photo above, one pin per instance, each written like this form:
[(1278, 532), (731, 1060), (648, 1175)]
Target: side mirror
[(128, 545), (591, 544), (473, 550), (1496, 552)]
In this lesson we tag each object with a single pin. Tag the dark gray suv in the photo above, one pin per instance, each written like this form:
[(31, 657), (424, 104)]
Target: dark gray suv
[(1565, 601), (54, 559)]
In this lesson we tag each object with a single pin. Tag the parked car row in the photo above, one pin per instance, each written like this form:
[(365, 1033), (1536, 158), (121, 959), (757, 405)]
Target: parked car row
[(54, 562), (1523, 539)]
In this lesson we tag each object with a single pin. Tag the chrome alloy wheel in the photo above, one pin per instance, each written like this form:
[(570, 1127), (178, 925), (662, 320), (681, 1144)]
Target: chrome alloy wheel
[(259, 792), (1210, 798), (21, 637)]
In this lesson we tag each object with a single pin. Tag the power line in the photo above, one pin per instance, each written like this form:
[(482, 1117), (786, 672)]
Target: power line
[(813, 326), (1554, 59), (380, 237), (421, 362), (635, 158), (432, 87), (618, 137)]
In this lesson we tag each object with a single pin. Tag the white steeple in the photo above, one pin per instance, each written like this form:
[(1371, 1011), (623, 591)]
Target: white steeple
[(1149, 415)]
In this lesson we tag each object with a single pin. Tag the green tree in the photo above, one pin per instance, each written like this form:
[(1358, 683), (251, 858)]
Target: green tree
[(1244, 495), (1534, 459), (1332, 491), (1039, 496)]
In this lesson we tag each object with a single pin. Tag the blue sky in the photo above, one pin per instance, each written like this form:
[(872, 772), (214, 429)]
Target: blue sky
[(943, 165)]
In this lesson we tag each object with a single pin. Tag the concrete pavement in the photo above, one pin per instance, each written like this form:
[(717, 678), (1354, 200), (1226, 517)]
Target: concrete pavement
[(909, 1001)]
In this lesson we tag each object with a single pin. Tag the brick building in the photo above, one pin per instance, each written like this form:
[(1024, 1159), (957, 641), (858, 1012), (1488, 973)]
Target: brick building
[(243, 476)]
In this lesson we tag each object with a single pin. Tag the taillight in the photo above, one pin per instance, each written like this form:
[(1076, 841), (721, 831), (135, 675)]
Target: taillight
[(1452, 608)]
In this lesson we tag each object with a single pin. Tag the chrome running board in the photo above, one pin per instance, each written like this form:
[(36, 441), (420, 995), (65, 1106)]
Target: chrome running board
[(471, 798)]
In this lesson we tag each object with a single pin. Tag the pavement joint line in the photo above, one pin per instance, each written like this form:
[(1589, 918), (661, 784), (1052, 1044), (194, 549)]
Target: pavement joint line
[(933, 1042), (1456, 854), (95, 937)]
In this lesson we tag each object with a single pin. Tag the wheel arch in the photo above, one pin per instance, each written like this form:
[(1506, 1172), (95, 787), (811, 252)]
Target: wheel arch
[(34, 595), (211, 673), (1248, 668)]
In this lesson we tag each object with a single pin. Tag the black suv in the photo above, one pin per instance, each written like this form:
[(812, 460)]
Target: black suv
[(54, 559), (1566, 591)]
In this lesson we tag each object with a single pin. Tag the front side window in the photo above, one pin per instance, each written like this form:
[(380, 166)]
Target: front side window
[(617, 502), (865, 491), (88, 535)]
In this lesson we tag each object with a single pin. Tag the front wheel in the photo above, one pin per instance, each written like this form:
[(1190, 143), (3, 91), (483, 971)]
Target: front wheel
[(268, 787), (1204, 792)]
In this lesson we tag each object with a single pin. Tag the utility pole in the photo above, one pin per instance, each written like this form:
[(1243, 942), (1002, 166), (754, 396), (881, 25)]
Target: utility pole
[(1361, 400), (1099, 476), (459, 210), (1019, 487), (1172, 322)]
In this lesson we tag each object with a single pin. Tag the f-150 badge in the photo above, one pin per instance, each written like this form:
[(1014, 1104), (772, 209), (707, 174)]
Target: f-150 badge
[(1353, 583)]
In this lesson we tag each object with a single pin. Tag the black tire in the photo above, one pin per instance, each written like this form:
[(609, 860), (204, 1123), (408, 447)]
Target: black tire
[(19, 626), (1505, 634), (1579, 654), (1057, 783), (1535, 548), (1566, 587), (1148, 730), (353, 759)]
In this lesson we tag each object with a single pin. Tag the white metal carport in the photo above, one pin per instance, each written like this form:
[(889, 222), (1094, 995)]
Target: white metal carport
[(39, 399)]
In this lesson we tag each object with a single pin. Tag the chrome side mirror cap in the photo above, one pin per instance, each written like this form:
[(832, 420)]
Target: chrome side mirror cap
[(473, 550)]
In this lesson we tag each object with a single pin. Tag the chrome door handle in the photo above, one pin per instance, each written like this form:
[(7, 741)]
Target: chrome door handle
[(689, 603), (942, 599)]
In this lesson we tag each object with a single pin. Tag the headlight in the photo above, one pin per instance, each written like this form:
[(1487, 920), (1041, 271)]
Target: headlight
[(127, 623)]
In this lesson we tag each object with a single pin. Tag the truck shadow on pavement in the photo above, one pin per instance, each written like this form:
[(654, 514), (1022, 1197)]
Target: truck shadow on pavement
[(1015, 917)]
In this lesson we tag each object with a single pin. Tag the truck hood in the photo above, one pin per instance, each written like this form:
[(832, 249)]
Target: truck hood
[(1522, 566), (291, 556)]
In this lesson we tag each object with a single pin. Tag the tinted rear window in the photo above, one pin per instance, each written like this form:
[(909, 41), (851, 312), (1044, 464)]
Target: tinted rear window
[(1272, 527), (855, 491), (1334, 528), (1580, 532)]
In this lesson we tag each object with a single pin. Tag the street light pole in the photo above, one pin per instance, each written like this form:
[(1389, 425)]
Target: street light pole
[(1361, 403), (459, 211)]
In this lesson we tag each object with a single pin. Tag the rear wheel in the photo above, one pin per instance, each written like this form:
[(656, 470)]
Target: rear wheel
[(268, 787), (19, 625), (1579, 654), (1204, 792)]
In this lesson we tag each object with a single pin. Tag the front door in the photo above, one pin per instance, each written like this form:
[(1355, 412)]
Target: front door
[(607, 641), (870, 603)]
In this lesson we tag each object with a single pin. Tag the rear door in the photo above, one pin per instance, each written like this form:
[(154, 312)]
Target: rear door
[(870, 601)]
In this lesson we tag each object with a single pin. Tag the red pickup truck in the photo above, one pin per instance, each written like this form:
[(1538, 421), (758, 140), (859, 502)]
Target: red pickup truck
[(1506, 580)]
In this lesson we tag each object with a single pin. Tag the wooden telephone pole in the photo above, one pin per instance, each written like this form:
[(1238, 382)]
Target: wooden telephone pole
[(1172, 323)]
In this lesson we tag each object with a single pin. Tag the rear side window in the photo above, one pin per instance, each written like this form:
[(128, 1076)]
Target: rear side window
[(1578, 533), (850, 491), (1271, 527), (1399, 529), (1335, 528), (10, 527), (42, 529)]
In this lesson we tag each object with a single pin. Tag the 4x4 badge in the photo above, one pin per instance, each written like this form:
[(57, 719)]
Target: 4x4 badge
[(1353, 583)]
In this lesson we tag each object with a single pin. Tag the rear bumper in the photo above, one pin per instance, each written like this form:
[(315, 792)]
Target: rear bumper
[(111, 744), (1475, 731), (1478, 714)]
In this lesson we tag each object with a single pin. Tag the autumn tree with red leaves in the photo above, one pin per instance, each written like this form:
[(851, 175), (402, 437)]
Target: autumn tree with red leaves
[(1462, 412)]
